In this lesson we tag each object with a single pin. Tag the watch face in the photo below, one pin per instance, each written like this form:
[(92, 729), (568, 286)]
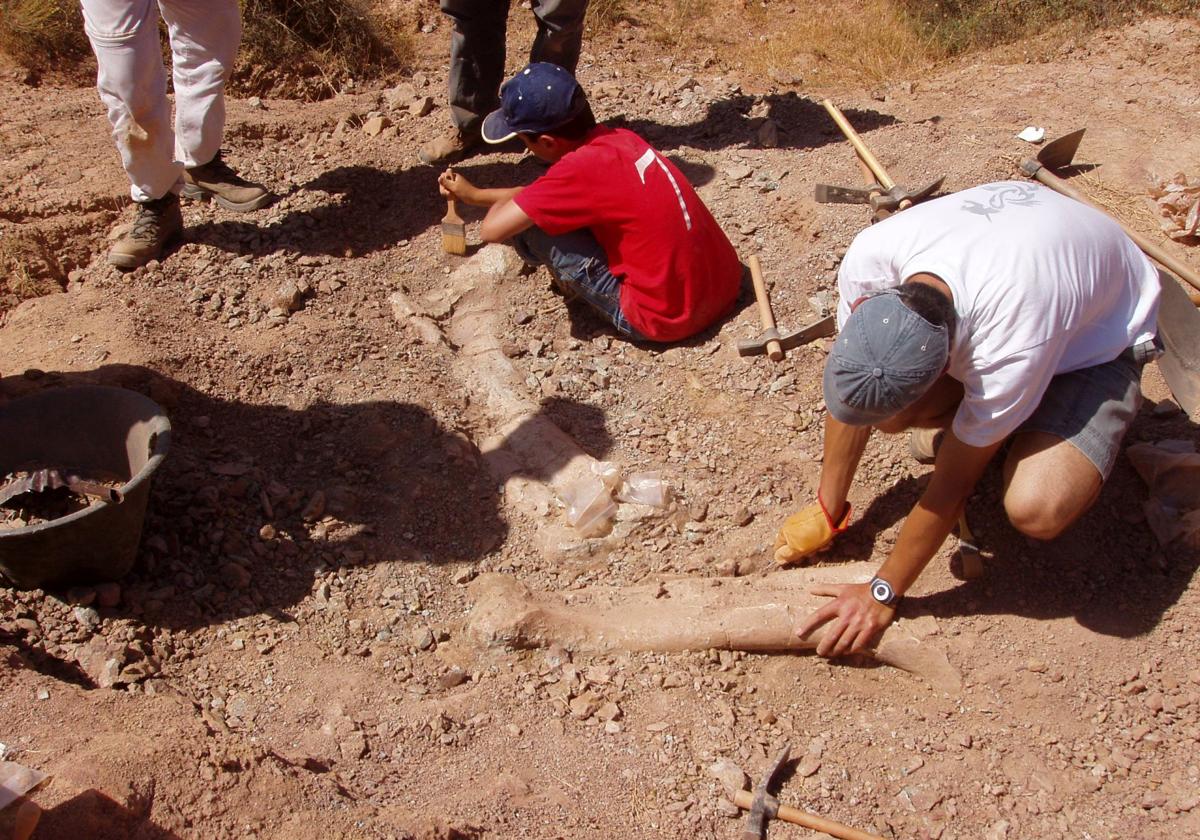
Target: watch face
[(881, 591)]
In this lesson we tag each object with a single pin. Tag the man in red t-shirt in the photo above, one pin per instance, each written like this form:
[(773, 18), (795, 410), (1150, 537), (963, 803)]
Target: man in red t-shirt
[(616, 222)]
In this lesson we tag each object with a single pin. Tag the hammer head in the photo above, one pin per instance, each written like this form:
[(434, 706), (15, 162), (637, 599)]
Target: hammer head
[(765, 806)]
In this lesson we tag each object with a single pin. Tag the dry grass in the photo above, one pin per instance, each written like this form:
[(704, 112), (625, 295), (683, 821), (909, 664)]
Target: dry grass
[(680, 24), (40, 34), (864, 42), (29, 267), (334, 40), (605, 13), (854, 42)]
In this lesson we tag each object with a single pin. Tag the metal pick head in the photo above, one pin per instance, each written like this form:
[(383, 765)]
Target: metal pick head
[(760, 810), (1058, 154)]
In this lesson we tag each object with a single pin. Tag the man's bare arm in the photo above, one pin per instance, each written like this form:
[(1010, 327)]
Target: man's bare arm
[(854, 617)]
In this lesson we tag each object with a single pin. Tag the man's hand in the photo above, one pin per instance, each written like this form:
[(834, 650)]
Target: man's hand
[(453, 185), (855, 619)]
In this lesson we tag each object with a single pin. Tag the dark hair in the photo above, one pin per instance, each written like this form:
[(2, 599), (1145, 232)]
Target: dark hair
[(578, 126), (930, 303)]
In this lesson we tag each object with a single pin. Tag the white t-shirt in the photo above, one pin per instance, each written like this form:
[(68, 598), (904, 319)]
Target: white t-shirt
[(1042, 285)]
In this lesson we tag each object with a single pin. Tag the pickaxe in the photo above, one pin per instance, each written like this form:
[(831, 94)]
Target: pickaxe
[(763, 807), (771, 342), (1058, 154), (884, 195)]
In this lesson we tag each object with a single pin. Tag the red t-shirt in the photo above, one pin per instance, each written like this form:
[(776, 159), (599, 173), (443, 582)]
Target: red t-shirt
[(680, 272)]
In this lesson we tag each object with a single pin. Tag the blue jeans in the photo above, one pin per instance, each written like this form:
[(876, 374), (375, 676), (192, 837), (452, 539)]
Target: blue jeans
[(580, 266)]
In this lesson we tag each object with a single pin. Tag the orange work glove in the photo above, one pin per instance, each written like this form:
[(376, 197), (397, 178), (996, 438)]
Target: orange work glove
[(806, 532)]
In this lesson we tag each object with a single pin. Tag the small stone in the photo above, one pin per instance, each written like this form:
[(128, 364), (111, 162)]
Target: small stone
[(556, 656), (268, 532), (768, 135), (608, 711), (88, 617), (422, 638), (374, 126), (453, 678), (108, 594), (522, 317), (235, 575), (731, 777), (288, 298), (421, 106), (1037, 666), (808, 765), (584, 706), (463, 576), (742, 516), (1154, 702), (738, 172), (353, 746), (611, 727), (43, 694), (315, 508)]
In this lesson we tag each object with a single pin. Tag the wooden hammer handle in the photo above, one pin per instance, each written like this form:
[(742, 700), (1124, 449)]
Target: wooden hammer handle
[(744, 799), (860, 148), (765, 315)]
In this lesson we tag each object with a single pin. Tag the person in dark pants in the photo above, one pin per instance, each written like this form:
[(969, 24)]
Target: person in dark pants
[(477, 49)]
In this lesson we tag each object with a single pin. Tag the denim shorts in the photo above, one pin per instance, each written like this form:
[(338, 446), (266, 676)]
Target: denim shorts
[(1092, 408)]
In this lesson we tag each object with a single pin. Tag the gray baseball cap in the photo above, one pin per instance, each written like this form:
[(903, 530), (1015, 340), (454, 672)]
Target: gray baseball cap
[(884, 359)]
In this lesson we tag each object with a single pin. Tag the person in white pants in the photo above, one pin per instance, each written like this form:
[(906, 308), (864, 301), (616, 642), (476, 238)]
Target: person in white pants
[(162, 162)]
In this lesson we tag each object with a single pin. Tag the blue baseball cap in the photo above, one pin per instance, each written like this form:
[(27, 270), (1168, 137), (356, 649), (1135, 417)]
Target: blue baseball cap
[(884, 359), (540, 98)]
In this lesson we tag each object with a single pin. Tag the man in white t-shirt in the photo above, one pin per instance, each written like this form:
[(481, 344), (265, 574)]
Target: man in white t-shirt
[(1001, 312)]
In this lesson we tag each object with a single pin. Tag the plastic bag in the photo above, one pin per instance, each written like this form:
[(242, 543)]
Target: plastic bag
[(645, 489), (1171, 469), (589, 501)]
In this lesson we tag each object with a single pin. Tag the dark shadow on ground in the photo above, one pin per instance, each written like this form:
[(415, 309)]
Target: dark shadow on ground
[(396, 485), (802, 123), (95, 816)]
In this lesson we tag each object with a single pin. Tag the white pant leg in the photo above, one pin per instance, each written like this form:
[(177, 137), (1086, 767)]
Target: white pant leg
[(133, 87), (204, 35)]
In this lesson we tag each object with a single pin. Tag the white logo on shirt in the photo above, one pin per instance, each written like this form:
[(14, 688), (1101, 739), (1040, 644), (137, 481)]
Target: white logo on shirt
[(1021, 195), (643, 163)]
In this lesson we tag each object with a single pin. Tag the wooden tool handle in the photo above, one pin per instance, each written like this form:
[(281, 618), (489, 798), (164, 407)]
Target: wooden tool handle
[(1151, 249), (765, 315), (860, 148), (744, 799)]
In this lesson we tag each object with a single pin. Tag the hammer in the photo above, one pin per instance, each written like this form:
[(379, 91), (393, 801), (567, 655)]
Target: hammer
[(885, 195), (771, 342), (763, 807)]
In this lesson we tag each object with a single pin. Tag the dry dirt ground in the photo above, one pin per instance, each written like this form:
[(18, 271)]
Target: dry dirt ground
[(290, 644)]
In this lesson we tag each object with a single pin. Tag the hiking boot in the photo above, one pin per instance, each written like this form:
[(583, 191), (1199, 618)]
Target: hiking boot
[(156, 223), (923, 444), (450, 148), (216, 180)]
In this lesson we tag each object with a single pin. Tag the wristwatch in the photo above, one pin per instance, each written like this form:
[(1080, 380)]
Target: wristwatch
[(882, 592)]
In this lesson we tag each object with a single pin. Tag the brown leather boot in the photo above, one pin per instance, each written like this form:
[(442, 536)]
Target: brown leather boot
[(216, 180), (156, 223), (450, 148)]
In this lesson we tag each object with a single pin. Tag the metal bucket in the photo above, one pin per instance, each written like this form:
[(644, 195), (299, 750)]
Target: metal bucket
[(110, 431)]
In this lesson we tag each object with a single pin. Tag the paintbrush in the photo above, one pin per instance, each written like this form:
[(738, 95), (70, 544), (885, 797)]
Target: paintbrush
[(454, 230)]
